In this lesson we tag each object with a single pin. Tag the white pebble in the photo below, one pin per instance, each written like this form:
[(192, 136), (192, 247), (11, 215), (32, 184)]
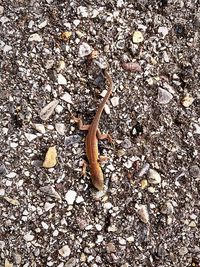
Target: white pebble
[(107, 205), (64, 251), (67, 98), (39, 127), (111, 167), (163, 30), (35, 37), (45, 225), (30, 137), (70, 197), (122, 241), (61, 79), (154, 177), (7, 48), (42, 24), (98, 227), (2, 192), (59, 109), (164, 97), (28, 237), (115, 101), (11, 175), (99, 239), (84, 50), (79, 199), (60, 128), (48, 206)]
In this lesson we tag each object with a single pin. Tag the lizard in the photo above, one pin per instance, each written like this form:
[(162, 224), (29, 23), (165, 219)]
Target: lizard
[(91, 141)]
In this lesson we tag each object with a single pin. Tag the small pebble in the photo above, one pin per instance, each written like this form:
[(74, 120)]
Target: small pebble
[(110, 248), (183, 251), (12, 201), (50, 191), (67, 98), (50, 158), (2, 192), (61, 79), (144, 183), (39, 127), (35, 37), (30, 137), (130, 239), (66, 35), (8, 264), (48, 206), (70, 197), (194, 171), (84, 50), (164, 97), (187, 100), (163, 30), (154, 177), (79, 199), (48, 110), (98, 227), (11, 175), (42, 24), (18, 258), (64, 251), (61, 65), (137, 37), (44, 225), (115, 101), (143, 213), (167, 208), (71, 263), (60, 128), (1, 10), (29, 237)]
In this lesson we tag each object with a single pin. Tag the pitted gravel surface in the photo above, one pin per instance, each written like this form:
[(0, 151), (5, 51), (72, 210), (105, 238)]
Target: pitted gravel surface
[(149, 213)]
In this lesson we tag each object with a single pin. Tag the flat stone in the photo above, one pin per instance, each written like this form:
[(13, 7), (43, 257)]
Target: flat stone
[(35, 37), (70, 197), (65, 251)]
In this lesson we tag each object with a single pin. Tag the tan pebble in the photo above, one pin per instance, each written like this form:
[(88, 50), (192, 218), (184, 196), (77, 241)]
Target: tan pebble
[(187, 100), (192, 224), (121, 153), (110, 247), (39, 127), (143, 214), (137, 37), (8, 264), (50, 158), (83, 257), (12, 201), (66, 35), (80, 34), (144, 183), (61, 65)]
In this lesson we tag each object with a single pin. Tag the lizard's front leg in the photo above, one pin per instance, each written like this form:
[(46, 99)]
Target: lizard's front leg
[(81, 126)]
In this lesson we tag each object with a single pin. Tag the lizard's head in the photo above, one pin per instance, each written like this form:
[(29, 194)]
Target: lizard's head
[(97, 178)]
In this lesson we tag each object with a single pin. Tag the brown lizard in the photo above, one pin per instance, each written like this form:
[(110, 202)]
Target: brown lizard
[(92, 137)]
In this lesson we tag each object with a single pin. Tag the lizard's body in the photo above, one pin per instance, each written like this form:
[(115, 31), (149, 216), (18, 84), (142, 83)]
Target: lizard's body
[(92, 139)]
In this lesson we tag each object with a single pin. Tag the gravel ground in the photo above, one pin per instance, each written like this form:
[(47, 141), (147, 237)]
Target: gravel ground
[(51, 56)]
